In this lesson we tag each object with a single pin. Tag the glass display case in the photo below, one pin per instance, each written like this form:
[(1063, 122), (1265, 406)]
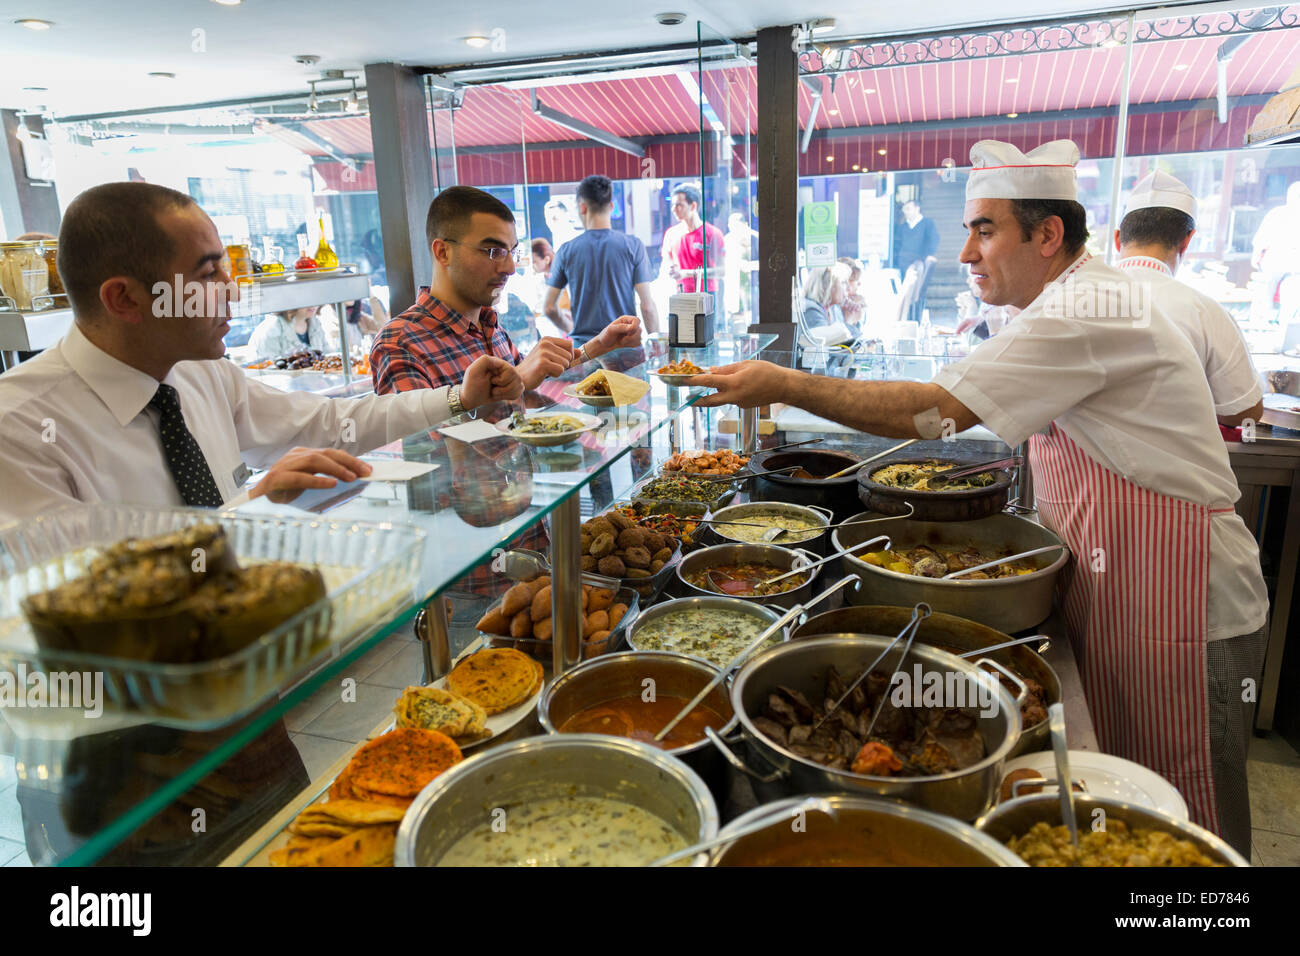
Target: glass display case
[(119, 791)]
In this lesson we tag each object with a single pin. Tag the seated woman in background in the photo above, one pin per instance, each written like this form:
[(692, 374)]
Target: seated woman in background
[(854, 306), (284, 333)]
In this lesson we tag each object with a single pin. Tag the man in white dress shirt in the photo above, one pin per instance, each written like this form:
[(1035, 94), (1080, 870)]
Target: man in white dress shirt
[(137, 405), (1165, 603), (1152, 239)]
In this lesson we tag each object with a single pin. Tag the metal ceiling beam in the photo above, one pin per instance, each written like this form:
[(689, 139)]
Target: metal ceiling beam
[(595, 133)]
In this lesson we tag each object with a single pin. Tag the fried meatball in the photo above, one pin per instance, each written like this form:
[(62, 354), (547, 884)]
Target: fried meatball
[(631, 538), (612, 567), (602, 546), (636, 557), (620, 521)]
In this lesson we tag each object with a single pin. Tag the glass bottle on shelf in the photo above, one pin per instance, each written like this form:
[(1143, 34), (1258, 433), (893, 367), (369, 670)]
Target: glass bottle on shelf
[(305, 262), (272, 258), (325, 257)]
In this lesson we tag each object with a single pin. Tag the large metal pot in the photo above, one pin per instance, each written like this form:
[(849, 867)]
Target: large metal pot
[(866, 831), (460, 799), (968, 505), (1007, 604), (622, 675), (736, 607), (819, 542), (802, 665), (1015, 818), (839, 494), (771, 554), (957, 635)]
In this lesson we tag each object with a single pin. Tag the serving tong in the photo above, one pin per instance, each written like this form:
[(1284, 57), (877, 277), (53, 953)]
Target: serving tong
[(761, 822), (946, 476), (919, 613), (1000, 561), (756, 643)]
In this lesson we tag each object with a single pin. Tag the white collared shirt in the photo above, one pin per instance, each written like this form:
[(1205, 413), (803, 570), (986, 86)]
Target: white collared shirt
[(75, 426), (1219, 344), (1128, 388)]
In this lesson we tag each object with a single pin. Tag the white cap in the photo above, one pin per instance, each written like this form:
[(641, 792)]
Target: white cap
[(1157, 189), (1001, 171)]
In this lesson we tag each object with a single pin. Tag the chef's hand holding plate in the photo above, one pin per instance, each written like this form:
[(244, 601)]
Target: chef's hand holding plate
[(490, 379), (744, 384)]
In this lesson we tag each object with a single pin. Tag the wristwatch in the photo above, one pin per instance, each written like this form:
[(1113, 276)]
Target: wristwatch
[(453, 400), (580, 357)]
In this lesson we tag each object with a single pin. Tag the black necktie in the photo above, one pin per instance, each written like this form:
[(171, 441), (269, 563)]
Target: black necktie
[(185, 458)]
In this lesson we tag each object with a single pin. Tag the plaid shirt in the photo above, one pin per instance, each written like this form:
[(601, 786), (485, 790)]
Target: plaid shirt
[(431, 345)]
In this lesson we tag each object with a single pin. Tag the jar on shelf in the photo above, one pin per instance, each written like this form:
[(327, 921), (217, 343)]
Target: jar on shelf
[(50, 253), (23, 273), (241, 260)]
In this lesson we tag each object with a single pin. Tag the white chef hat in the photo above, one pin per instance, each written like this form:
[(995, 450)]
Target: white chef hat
[(1162, 190), (1001, 171)]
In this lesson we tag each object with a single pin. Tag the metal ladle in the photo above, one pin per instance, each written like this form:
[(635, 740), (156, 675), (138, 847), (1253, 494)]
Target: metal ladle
[(774, 532), (1061, 751), (761, 822), (838, 554), (1001, 561), (866, 461)]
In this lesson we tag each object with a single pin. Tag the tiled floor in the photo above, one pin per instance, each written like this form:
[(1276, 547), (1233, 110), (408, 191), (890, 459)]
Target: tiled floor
[(1274, 773)]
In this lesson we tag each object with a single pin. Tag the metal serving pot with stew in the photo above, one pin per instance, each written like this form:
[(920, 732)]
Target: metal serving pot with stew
[(728, 561), (1007, 604), (611, 695), (958, 636), (808, 486), (865, 831), (802, 667), (753, 520)]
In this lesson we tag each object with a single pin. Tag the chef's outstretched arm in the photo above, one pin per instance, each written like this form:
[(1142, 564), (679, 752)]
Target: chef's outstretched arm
[(889, 409)]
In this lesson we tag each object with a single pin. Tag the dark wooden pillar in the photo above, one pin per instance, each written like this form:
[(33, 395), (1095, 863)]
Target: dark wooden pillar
[(26, 205), (399, 129), (778, 181)]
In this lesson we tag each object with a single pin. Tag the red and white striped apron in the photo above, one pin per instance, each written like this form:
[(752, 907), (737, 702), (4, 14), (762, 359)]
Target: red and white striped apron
[(1135, 605)]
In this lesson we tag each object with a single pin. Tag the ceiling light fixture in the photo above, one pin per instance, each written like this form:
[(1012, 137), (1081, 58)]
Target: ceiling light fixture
[(353, 104), (856, 167), (822, 25), (670, 19), (478, 42), (881, 152), (36, 89), (160, 75), (869, 89), (1013, 79), (228, 3), (832, 112), (1012, 115), (34, 24), (830, 159), (1180, 66)]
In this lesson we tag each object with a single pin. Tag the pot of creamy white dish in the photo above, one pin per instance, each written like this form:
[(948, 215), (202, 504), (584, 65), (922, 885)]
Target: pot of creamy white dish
[(529, 800)]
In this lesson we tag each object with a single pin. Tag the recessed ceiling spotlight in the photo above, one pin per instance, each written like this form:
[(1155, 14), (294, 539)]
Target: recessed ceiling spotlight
[(36, 89), (1012, 115), (34, 24), (856, 167), (832, 112), (228, 3), (822, 25), (830, 159), (477, 41), (1180, 66), (163, 76), (881, 152), (670, 19), (1013, 79), (869, 89)]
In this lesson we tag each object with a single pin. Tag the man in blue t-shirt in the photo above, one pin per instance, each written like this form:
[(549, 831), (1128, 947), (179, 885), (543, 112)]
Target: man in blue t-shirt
[(602, 269)]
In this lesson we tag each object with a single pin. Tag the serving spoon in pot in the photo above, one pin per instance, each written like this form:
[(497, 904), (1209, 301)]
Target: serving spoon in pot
[(761, 822), (1001, 561), (866, 461), (817, 564)]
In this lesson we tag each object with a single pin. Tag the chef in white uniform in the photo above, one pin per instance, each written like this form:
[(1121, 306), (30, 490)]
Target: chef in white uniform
[(1152, 240), (1164, 600)]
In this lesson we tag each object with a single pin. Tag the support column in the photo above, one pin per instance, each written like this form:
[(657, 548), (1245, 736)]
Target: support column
[(778, 181), (399, 129), (26, 205)]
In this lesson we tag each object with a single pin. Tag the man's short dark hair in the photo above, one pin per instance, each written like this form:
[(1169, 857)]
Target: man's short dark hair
[(542, 248), (113, 230), (1032, 213), (691, 193), (1156, 225), (597, 192), (451, 210)]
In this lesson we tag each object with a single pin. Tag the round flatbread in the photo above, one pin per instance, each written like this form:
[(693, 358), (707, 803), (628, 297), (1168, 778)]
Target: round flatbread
[(444, 711), (497, 679), (401, 762)]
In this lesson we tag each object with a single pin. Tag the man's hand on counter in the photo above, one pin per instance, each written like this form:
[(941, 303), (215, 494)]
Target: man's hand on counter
[(305, 468), (548, 359), (490, 379)]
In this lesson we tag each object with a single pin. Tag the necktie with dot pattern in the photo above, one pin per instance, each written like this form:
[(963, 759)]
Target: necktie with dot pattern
[(185, 458)]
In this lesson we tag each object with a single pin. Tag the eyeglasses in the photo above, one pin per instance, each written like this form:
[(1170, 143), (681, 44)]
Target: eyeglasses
[(495, 253)]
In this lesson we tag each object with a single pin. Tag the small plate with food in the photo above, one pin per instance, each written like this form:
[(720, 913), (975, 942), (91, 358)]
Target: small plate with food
[(544, 429), (606, 389), (679, 373), (483, 697), (1100, 775)]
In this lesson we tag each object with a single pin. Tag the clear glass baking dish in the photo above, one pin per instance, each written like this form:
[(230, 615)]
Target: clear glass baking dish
[(370, 570)]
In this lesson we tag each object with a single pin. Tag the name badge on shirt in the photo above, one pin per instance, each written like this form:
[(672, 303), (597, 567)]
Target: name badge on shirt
[(241, 474)]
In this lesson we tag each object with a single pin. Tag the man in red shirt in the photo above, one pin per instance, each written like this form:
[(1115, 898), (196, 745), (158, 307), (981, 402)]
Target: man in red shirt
[(475, 250), (690, 243)]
